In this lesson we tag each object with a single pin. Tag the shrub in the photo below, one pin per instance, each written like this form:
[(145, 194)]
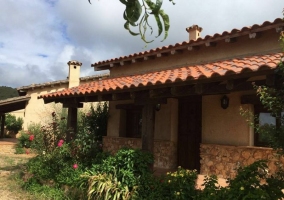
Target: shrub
[(25, 140), (13, 124), (88, 140), (120, 175)]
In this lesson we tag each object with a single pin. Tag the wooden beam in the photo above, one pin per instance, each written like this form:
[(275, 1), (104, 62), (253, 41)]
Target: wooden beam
[(230, 40), (230, 84), (199, 88), (148, 124), (71, 123), (121, 96), (143, 101), (210, 44), (158, 93), (177, 51), (190, 48), (279, 29), (2, 116), (270, 79), (128, 106), (254, 35)]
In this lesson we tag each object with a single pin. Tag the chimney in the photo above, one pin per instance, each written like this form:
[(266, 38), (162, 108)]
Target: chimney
[(194, 32), (74, 73)]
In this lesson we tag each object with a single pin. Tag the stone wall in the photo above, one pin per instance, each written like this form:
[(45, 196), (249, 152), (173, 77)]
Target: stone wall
[(165, 152), (223, 160)]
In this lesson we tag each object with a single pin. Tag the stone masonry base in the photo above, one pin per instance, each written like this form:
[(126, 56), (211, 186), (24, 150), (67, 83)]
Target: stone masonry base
[(165, 153), (223, 160)]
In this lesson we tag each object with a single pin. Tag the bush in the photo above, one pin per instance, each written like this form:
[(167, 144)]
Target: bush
[(25, 140), (13, 124), (119, 176)]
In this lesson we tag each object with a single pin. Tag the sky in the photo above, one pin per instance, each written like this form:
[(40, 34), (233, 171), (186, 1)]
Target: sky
[(38, 38)]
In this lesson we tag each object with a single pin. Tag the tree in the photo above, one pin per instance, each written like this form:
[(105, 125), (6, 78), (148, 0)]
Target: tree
[(137, 13), (13, 124)]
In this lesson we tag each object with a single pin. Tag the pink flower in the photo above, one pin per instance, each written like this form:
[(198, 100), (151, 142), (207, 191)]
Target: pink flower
[(32, 137), (61, 141), (59, 144), (75, 166)]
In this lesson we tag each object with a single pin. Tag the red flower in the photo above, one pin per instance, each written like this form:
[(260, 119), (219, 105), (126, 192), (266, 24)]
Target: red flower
[(32, 137), (59, 144), (75, 166)]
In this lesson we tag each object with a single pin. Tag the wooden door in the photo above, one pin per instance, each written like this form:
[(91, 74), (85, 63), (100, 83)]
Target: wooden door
[(189, 134)]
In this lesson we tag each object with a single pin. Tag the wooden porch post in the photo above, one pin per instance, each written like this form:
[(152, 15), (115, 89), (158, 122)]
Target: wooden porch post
[(148, 124), (2, 125), (71, 123)]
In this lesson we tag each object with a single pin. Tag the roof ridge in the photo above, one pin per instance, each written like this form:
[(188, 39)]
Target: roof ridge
[(214, 37)]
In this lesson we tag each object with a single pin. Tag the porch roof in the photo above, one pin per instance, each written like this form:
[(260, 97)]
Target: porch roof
[(183, 75), (13, 104)]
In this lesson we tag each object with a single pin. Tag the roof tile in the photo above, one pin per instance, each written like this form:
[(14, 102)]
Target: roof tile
[(196, 72)]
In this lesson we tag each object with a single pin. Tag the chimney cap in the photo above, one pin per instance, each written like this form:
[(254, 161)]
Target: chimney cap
[(74, 62), (193, 28)]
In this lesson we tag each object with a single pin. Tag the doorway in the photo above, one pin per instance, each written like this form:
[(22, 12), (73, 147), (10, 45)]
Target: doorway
[(189, 133)]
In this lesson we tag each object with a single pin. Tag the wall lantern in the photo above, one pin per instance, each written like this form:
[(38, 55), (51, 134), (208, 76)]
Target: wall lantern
[(158, 107), (224, 102)]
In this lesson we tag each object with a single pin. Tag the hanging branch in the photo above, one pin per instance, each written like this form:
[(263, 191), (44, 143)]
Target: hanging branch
[(134, 17)]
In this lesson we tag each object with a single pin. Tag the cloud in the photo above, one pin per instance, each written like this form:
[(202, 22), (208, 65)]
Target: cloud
[(38, 38)]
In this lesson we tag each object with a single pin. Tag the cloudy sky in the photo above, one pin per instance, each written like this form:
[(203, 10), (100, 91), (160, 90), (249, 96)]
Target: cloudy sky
[(38, 38)]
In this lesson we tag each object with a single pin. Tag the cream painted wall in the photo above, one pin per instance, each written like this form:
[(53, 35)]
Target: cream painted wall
[(268, 42), (166, 121), (225, 126), (36, 111), (116, 121)]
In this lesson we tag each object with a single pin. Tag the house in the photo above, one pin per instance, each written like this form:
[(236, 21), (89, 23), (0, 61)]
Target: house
[(32, 109), (182, 102)]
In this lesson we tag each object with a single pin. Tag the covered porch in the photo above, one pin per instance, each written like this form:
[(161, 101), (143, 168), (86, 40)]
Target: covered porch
[(177, 114)]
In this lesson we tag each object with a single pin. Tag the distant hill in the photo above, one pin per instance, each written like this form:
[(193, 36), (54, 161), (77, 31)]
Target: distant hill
[(8, 92)]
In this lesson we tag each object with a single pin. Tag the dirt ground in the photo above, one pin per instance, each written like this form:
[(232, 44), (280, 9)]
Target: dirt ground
[(9, 166)]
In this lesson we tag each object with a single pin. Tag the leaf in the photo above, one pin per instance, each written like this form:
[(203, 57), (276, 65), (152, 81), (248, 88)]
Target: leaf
[(157, 7), (126, 26), (159, 24), (166, 21), (133, 11)]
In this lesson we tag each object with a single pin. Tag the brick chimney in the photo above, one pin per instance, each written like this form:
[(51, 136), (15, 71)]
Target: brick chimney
[(194, 32), (74, 73)]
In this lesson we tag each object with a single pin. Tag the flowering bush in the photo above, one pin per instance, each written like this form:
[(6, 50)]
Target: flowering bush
[(25, 140)]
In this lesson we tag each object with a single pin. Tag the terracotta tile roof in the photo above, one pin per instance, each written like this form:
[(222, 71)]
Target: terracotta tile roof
[(176, 75), (278, 24), (86, 78)]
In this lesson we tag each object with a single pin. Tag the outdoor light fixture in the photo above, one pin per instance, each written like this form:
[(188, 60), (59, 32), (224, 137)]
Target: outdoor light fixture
[(224, 102), (158, 107)]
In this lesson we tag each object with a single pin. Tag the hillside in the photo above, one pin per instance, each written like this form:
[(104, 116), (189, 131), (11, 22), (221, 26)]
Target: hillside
[(7, 92)]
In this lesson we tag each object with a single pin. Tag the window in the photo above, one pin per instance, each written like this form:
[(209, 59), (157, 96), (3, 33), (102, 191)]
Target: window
[(264, 119)]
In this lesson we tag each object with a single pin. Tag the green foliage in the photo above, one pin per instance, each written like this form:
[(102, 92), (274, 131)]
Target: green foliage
[(91, 129), (137, 14), (13, 124), (25, 139), (7, 92), (174, 185), (120, 175)]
